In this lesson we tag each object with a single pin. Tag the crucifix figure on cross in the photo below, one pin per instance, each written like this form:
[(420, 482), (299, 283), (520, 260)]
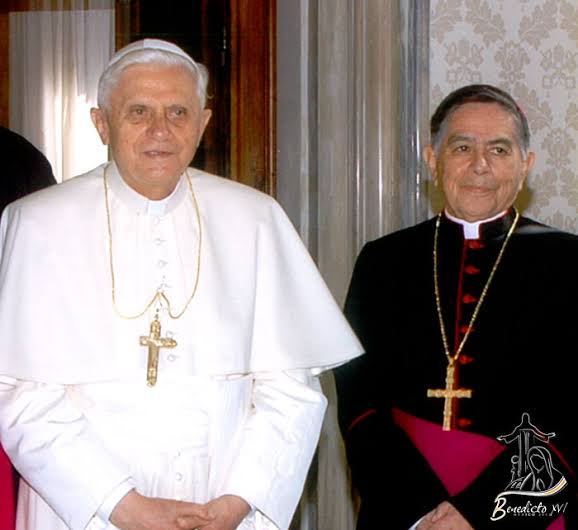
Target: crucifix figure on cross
[(155, 342), (449, 393)]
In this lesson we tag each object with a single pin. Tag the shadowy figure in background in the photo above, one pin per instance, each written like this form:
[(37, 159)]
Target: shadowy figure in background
[(26, 170)]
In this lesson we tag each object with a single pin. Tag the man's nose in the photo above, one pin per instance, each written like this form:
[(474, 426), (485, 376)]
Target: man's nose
[(159, 126), (479, 161)]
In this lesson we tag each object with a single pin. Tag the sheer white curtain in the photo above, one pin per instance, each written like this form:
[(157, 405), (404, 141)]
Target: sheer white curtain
[(56, 57)]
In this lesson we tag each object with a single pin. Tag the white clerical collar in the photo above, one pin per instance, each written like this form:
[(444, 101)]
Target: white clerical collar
[(158, 208), (141, 204), (472, 230)]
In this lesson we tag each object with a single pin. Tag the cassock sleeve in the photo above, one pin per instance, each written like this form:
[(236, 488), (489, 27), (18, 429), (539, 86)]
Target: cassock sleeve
[(54, 449), (277, 444), (386, 467)]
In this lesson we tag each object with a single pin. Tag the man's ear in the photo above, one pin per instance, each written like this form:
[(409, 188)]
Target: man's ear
[(528, 165), (204, 120), (431, 160), (99, 120), (205, 117)]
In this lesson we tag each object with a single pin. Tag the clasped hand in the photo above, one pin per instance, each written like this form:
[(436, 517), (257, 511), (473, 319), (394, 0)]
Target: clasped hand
[(137, 512), (444, 517)]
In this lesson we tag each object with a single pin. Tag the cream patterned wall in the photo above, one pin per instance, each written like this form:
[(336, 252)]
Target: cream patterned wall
[(530, 49)]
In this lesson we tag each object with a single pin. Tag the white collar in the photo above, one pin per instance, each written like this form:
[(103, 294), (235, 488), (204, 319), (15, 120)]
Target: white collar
[(472, 230), (141, 204)]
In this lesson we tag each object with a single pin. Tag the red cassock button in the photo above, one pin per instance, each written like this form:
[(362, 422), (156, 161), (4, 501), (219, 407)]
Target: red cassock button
[(465, 329), (465, 359), (464, 422), (469, 299), (471, 269), (475, 244)]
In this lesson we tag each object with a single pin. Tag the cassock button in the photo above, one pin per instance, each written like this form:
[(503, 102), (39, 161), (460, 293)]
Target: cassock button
[(178, 477), (465, 329), (161, 263), (471, 269), (464, 422), (469, 299), (465, 359), (475, 244), (171, 357)]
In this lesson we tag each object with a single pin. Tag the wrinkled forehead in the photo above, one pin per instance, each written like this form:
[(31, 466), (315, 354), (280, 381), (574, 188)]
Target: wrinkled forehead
[(155, 80), (482, 121)]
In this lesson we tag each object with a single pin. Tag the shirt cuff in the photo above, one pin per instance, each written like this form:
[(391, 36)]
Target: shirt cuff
[(113, 498)]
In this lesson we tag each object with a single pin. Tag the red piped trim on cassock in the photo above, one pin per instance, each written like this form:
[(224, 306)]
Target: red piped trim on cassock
[(359, 419), (459, 295)]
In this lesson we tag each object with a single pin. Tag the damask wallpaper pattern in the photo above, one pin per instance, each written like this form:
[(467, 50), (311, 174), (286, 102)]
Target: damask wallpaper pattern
[(530, 49)]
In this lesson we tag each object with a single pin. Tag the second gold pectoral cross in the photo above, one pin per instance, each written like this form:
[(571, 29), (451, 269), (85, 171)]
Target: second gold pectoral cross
[(155, 342), (449, 393)]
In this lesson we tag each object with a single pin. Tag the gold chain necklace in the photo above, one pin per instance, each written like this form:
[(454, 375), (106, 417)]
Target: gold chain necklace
[(450, 392), (159, 296)]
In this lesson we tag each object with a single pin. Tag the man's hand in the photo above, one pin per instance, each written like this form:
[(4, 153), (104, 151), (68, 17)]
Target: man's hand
[(136, 512), (444, 517), (229, 511)]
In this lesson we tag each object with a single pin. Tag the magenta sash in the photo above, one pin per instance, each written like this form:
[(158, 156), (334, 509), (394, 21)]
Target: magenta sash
[(457, 457)]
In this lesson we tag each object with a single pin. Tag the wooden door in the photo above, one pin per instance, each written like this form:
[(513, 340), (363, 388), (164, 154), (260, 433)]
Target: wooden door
[(235, 40)]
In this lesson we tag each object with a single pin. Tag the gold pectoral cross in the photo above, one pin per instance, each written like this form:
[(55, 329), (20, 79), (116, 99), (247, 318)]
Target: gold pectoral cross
[(154, 341), (449, 394)]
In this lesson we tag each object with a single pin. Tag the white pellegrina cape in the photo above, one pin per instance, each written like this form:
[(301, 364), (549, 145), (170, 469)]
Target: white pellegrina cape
[(260, 305), (235, 410)]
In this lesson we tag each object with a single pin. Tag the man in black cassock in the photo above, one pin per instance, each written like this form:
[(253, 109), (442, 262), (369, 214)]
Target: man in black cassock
[(460, 414), (24, 170)]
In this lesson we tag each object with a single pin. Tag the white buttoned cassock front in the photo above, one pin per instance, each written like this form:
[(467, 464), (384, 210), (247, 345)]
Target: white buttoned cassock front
[(237, 408)]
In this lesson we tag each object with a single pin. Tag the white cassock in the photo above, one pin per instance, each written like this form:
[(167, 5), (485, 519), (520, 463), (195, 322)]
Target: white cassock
[(237, 407)]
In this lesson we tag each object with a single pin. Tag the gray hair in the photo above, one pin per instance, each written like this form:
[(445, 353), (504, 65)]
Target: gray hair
[(479, 94), (113, 72)]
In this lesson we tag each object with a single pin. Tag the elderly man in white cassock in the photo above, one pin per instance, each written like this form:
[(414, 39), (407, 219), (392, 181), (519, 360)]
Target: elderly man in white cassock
[(162, 329)]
